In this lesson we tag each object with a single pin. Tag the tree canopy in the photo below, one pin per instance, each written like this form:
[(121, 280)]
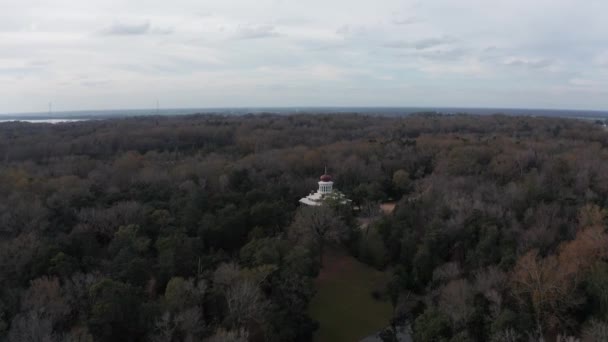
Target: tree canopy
[(188, 228)]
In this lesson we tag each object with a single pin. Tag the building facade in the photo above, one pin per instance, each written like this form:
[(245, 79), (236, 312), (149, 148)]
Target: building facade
[(326, 193)]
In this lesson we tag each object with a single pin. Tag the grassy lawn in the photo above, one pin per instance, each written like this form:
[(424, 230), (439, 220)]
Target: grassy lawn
[(343, 304)]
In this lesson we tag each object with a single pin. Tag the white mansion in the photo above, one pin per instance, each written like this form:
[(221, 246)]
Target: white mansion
[(325, 193)]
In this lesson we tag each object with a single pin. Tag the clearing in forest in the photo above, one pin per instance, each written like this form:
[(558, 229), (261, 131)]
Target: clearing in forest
[(343, 305)]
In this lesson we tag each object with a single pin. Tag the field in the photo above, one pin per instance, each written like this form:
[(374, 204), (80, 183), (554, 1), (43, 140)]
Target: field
[(343, 305)]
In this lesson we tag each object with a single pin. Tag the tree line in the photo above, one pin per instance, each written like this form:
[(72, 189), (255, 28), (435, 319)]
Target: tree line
[(188, 228)]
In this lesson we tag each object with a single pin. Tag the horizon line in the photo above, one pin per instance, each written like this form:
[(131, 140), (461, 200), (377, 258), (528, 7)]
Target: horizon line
[(295, 108)]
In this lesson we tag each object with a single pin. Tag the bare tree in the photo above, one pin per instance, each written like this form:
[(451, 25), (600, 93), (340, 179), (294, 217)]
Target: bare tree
[(226, 274), (507, 335), (164, 327), (15, 254), (318, 225), (76, 289), (454, 300), (595, 331), (31, 327), (190, 322), (222, 335), (535, 283), (78, 334), (44, 296), (107, 221), (187, 323), (491, 282), (184, 316), (447, 272), (370, 210), (241, 288)]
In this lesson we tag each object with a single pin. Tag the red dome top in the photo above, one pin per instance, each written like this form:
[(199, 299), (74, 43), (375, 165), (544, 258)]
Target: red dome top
[(326, 178)]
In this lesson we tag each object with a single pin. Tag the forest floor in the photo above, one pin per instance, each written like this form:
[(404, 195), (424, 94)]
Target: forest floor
[(343, 305)]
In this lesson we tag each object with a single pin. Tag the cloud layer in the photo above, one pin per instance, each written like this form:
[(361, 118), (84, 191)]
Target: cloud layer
[(101, 54)]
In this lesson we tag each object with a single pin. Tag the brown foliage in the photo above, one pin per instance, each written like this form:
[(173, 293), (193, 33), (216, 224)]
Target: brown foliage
[(455, 300), (45, 296), (550, 283)]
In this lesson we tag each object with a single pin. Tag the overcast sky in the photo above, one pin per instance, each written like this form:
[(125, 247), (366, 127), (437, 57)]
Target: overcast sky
[(110, 54)]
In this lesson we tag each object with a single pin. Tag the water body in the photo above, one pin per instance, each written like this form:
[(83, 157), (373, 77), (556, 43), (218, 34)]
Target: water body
[(71, 116), (51, 121)]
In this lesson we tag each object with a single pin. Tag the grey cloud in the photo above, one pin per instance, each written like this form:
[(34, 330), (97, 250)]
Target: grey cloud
[(344, 30), (601, 60), (440, 55), (329, 47), (171, 66), (429, 43), (398, 45), (405, 21), (422, 44), (351, 31), (493, 54), (161, 31), (444, 54), (38, 63), (19, 71), (122, 29), (33, 67), (133, 29), (293, 21), (531, 64), (499, 56), (417, 42), (94, 84), (255, 32)]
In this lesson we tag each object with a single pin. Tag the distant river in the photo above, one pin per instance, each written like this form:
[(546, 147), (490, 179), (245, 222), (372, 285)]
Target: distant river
[(52, 121), (70, 116)]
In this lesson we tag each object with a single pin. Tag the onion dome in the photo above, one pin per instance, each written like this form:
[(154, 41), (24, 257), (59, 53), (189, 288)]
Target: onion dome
[(325, 178)]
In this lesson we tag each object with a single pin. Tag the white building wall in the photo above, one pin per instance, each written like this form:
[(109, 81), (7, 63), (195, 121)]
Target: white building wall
[(325, 187)]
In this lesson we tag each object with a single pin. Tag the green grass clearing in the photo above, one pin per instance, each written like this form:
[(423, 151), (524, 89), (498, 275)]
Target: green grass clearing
[(343, 305)]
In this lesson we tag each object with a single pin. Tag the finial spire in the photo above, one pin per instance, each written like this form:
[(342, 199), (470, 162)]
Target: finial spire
[(325, 170)]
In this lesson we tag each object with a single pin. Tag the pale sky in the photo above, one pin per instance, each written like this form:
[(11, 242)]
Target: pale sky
[(110, 54)]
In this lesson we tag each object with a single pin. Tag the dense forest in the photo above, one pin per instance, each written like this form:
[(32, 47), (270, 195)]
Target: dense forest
[(188, 228)]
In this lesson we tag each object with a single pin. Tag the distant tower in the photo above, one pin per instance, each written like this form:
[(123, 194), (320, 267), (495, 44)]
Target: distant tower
[(325, 192), (325, 183)]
